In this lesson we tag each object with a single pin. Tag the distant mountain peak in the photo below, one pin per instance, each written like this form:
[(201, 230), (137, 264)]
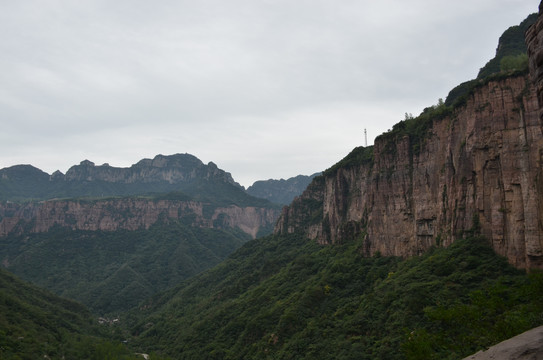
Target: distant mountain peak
[(280, 191), (163, 173)]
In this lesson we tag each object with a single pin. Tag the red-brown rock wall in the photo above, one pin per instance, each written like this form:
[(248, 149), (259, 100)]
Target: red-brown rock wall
[(125, 214), (479, 167), (534, 44)]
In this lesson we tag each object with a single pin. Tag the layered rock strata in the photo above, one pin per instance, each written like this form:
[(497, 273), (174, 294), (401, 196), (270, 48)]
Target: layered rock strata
[(128, 214)]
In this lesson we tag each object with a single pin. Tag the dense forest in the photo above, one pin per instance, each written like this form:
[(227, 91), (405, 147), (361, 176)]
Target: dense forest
[(110, 272), (287, 298), (35, 323)]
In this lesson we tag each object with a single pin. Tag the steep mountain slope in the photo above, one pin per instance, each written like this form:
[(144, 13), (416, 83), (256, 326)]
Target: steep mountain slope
[(280, 191), (321, 287), (511, 43), (511, 48)]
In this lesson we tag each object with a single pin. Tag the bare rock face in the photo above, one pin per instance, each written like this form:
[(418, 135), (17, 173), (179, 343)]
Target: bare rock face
[(534, 42), (249, 219), (526, 346), (127, 214)]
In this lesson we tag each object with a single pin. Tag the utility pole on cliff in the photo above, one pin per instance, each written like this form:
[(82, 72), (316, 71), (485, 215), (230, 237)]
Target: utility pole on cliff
[(365, 138)]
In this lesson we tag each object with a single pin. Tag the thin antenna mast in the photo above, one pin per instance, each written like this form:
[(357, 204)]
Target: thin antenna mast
[(365, 138)]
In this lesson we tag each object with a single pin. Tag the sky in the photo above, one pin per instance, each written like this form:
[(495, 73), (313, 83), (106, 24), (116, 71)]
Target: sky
[(265, 89)]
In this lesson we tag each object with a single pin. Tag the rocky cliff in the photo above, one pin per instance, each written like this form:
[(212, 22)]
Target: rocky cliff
[(534, 43), (129, 214), (432, 179)]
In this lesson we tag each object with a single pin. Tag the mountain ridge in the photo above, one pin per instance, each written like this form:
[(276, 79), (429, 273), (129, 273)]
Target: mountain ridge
[(158, 175)]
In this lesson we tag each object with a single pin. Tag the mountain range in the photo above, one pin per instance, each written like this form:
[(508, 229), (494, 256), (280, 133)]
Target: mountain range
[(427, 245), (111, 237), (162, 174)]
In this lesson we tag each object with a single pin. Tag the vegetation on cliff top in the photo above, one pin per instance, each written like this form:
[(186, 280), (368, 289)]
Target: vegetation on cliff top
[(511, 43), (510, 57), (415, 128), (510, 61), (358, 156)]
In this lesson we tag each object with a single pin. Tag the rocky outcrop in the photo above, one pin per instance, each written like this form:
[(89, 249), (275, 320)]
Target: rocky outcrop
[(526, 346), (475, 169), (128, 214)]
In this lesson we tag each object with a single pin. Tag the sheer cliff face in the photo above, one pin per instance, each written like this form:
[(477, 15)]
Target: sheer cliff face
[(478, 169), (128, 214), (534, 44)]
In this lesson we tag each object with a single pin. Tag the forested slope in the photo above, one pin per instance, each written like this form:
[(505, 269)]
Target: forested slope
[(35, 324), (114, 271), (284, 297)]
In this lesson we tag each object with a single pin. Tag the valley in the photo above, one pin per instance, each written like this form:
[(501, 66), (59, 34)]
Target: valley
[(427, 245), (112, 252)]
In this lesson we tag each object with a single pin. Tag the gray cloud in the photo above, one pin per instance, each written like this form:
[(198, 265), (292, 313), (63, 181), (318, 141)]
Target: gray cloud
[(265, 89)]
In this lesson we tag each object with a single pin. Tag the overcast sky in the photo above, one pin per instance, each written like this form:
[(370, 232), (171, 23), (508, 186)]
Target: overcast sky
[(263, 88)]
